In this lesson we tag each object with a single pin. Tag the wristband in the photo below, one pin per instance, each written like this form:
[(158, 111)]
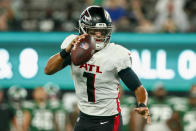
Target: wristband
[(64, 54), (141, 105)]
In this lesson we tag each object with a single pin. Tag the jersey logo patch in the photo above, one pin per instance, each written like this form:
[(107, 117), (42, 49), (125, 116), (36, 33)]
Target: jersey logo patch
[(91, 68), (85, 16), (84, 45), (104, 122)]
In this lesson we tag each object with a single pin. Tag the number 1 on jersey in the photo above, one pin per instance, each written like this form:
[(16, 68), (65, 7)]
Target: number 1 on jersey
[(90, 86)]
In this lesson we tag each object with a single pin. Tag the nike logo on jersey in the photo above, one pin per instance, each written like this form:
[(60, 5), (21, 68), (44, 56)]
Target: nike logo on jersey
[(78, 119), (91, 68), (104, 122)]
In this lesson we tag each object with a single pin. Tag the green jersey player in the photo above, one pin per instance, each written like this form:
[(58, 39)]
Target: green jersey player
[(39, 115), (161, 110), (96, 82), (17, 95), (188, 116), (57, 105)]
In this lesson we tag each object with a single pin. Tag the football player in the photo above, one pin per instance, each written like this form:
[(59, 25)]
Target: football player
[(97, 81), (38, 114), (160, 108), (184, 120), (55, 103), (17, 95), (189, 115), (7, 114)]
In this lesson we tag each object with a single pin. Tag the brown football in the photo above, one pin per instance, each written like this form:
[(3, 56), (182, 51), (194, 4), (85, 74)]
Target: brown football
[(83, 51)]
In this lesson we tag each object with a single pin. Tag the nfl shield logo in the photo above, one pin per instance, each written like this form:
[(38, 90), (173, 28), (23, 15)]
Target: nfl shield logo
[(84, 45)]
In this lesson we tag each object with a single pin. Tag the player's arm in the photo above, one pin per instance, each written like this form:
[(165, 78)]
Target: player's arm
[(132, 81), (12, 115), (174, 122), (56, 123), (142, 96), (14, 123), (61, 59), (57, 62), (26, 120)]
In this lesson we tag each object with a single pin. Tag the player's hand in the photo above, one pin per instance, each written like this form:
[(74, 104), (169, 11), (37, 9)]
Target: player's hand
[(144, 112), (74, 42)]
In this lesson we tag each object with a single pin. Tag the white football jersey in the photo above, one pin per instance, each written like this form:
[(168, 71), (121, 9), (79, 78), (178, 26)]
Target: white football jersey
[(97, 82)]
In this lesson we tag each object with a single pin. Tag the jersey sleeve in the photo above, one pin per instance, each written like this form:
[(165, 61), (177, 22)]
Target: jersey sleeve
[(67, 41), (124, 59)]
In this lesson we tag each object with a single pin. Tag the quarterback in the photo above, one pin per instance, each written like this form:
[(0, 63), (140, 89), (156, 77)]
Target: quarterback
[(97, 81)]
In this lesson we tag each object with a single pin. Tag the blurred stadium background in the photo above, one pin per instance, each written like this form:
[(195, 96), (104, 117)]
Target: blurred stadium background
[(161, 35)]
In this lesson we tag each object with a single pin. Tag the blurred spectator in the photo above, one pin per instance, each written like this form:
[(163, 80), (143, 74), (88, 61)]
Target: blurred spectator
[(70, 102), (144, 25), (15, 15), (38, 114), (30, 25), (190, 8), (98, 2), (61, 114), (4, 13), (17, 95), (7, 115), (171, 16), (128, 15), (160, 109), (137, 20), (47, 23), (187, 117), (179, 102), (10, 15), (70, 22), (117, 11), (3, 20)]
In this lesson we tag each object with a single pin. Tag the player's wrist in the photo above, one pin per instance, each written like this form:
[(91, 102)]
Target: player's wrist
[(64, 54)]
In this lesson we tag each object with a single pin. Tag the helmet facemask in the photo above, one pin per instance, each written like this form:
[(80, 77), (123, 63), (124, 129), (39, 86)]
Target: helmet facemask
[(101, 40), (95, 20)]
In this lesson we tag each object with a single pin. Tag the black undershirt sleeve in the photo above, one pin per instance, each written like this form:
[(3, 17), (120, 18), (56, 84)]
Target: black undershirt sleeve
[(66, 56), (67, 61), (129, 78)]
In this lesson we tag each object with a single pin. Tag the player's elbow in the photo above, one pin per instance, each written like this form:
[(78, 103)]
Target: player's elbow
[(47, 71), (140, 90)]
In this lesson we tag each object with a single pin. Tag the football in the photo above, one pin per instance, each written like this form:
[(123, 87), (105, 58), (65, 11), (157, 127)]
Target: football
[(83, 51)]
